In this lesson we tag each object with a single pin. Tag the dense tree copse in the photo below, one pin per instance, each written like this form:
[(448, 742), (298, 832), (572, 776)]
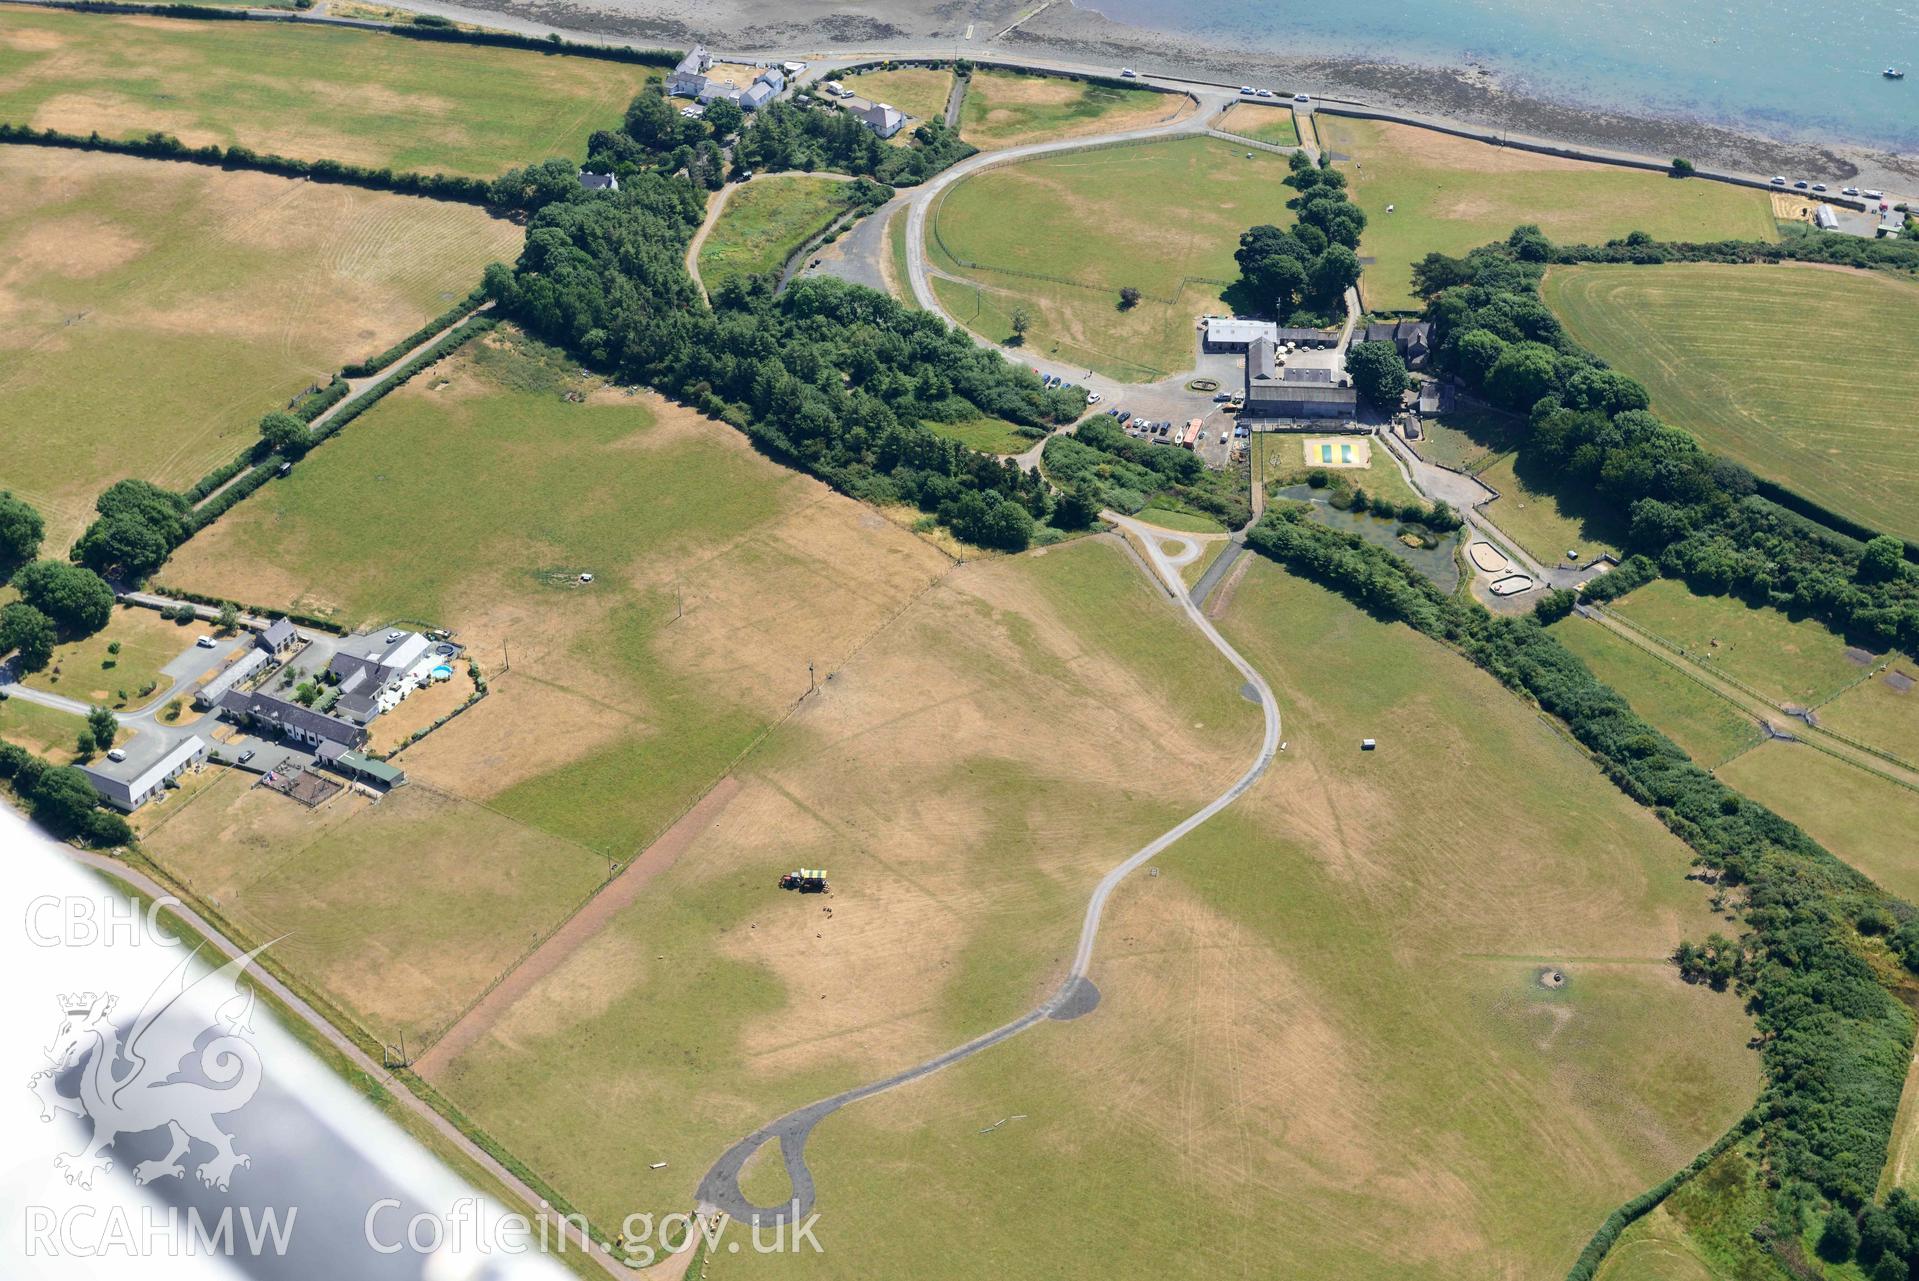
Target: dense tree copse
[(1301, 273), (1692, 514), (61, 800), (1836, 1042), (832, 377), (139, 526), (1379, 373), (77, 600), (784, 135), (20, 532), (28, 633)]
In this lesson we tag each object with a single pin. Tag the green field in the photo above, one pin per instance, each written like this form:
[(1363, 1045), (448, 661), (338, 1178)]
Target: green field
[(1549, 522), (1007, 108), (919, 92), (988, 435), (1879, 714), (1468, 439), (1864, 819), (1706, 725), (314, 93), (155, 311), (1272, 124), (1451, 194), (1080, 221), (896, 270), (1785, 660), (765, 223), (1329, 985), (710, 594), (93, 671), (945, 781), (1804, 374), (44, 731)]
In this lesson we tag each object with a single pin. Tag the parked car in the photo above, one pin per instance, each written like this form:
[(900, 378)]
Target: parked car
[(116, 754), (1818, 186), (1092, 398), (1265, 93), (1849, 191), (1873, 195), (1801, 185), (1129, 73), (205, 642), (1778, 181), (1302, 97), (1246, 90), (246, 756), (1125, 416)]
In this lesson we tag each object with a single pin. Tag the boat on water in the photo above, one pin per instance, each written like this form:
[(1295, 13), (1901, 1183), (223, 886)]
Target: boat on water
[(1893, 73)]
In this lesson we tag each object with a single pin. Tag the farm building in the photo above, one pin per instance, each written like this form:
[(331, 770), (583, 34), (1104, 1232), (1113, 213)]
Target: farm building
[(1273, 392), (260, 710), (374, 672), (277, 637), (756, 96), (359, 768), (210, 694), (130, 783), (1230, 333), (880, 118), (1303, 337), (1413, 338), (1825, 219), (688, 80)]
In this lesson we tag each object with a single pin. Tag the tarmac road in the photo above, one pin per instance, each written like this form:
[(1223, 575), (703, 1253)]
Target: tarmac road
[(720, 1188)]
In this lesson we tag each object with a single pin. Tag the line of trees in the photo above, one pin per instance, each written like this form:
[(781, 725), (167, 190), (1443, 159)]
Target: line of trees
[(1695, 515), (836, 379), (60, 799), (1836, 1041)]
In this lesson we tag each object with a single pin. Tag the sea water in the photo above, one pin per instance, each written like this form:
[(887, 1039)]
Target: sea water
[(1784, 68)]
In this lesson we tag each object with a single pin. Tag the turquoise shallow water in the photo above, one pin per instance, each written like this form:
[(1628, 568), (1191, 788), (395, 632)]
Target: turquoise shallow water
[(1798, 69)]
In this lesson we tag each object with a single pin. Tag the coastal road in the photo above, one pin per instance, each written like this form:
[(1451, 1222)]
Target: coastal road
[(719, 1190)]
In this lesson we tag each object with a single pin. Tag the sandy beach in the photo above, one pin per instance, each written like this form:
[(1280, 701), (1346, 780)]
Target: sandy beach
[(1064, 34)]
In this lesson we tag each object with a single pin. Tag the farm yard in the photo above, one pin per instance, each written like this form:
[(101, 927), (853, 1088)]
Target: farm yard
[(1037, 234), (944, 779), (919, 92), (1260, 123), (1802, 373), (718, 576), (156, 311), (313, 93), (1255, 1050), (1453, 194), (765, 223), (1008, 108)]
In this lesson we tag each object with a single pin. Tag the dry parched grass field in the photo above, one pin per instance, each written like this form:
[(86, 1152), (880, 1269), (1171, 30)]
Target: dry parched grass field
[(965, 780), (151, 312), (314, 93), (1802, 373), (1322, 1048), (1061, 235), (1453, 194), (1007, 108)]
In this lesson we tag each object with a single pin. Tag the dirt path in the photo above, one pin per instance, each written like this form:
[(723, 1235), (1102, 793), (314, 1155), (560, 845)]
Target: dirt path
[(1076, 995), (580, 929)]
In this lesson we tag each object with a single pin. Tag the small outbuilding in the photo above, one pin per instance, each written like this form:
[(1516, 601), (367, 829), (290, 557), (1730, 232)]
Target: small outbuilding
[(1367, 745)]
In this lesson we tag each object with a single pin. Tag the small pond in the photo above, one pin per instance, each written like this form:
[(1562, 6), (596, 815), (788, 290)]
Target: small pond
[(1436, 563)]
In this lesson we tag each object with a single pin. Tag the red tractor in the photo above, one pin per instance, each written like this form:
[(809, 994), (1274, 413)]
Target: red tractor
[(807, 880)]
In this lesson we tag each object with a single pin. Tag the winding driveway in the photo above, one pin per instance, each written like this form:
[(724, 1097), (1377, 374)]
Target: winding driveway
[(719, 1190)]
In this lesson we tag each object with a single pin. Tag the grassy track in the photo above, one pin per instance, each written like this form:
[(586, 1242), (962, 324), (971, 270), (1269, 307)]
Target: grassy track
[(1546, 522), (897, 275), (1708, 727), (765, 223), (309, 92), (1260, 123), (1451, 194), (1331, 983), (1061, 235), (1787, 661), (1006, 108), (155, 311), (920, 92), (1804, 374)]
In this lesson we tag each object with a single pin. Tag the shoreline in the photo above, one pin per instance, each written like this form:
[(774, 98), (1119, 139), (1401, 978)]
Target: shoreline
[(1077, 39)]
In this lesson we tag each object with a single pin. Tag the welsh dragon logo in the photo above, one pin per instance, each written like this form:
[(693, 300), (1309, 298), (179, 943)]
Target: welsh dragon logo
[(174, 1067)]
